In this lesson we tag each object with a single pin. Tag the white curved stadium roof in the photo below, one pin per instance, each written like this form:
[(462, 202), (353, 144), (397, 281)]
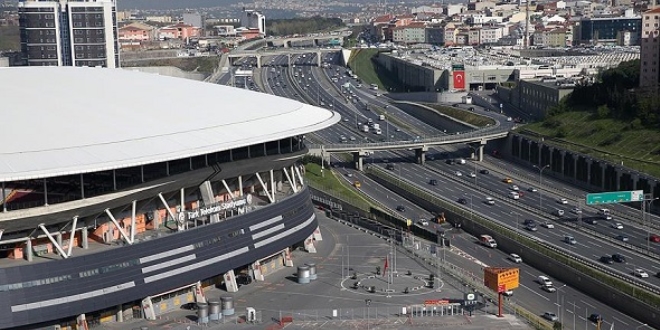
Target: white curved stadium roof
[(68, 120)]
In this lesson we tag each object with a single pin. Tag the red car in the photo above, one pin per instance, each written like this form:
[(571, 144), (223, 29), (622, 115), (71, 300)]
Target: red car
[(654, 238)]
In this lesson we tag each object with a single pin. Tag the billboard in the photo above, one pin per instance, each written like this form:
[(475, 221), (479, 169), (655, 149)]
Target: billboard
[(459, 79), (501, 279)]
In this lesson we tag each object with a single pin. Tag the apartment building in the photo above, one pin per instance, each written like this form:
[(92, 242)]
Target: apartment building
[(649, 73), (69, 33)]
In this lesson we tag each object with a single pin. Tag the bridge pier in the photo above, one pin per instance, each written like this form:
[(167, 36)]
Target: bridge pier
[(319, 58), (358, 159), (477, 151), (288, 56), (420, 155), (258, 61)]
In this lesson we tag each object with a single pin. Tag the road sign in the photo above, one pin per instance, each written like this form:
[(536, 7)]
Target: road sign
[(497, 277), (615, 197)]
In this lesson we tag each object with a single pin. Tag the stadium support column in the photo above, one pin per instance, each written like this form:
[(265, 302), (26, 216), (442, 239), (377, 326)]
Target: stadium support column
[(288, 260), (293, 184), (300, 178), (72, 236), (58, 247), (255, 267), (231, 193), (271, 198), (27, 251), (230, 281), (119, 228), (208, 196), (309, 244), (240, 186), (83, 238)]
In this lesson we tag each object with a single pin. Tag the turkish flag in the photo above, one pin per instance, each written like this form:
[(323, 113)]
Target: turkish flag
[(459, 79), (385, 267)]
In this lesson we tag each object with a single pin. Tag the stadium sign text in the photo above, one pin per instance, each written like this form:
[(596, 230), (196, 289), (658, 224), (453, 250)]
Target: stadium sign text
[(217, 208)]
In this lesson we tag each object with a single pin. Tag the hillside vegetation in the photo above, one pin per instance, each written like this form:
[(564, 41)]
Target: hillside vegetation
[(284, 27)]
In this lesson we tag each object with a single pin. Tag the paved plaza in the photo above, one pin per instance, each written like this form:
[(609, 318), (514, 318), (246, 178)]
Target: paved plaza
[(349, 293)]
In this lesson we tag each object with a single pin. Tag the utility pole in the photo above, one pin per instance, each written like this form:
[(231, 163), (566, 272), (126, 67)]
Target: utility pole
[(526, 33)]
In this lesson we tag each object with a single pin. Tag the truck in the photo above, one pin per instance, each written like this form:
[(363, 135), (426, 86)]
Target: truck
[(378, 131), (487, 241), (365, 128), (381, 117)]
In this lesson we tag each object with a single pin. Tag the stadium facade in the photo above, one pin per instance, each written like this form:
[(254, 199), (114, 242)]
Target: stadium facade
[(119, 187)]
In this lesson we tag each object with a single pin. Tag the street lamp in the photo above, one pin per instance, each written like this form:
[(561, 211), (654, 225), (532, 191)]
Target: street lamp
[(648, 224), (516, 214), (541, 184), (471, 208), (641, 326), (558, 305)]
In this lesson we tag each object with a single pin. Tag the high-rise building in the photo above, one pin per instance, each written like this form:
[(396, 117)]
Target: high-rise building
[(253, 19), (649, 72), (69, 32)]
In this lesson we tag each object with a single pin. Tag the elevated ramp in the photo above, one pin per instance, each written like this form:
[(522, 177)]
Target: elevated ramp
[(346, 55)]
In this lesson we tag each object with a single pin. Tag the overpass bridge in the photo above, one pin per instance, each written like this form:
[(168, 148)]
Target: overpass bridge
[(315, 40), (279, 52), (477, 140)]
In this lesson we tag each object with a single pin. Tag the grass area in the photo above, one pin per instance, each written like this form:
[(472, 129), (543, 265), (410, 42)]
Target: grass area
[(201, 64), (328, 182), (463, 115), (362, 64), (10, 38), (613, 140)]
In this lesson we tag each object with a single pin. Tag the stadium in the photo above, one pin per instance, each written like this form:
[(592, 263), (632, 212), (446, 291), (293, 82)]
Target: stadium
[(125, 193)]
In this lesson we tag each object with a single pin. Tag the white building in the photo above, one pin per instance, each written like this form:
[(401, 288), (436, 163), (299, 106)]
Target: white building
[(253, 19)]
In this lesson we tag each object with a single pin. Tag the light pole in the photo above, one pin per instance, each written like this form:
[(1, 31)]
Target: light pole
[(574, 312), (541, 184), (650, 199), (558, 305), (641, 326), (516, 214), (387, 126)]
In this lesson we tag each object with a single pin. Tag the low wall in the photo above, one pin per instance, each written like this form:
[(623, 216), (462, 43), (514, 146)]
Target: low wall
[(554, 268), (430, 117), (428, 97), (169, 71)]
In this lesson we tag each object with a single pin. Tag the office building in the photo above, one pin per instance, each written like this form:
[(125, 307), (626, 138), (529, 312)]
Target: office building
[(649, 73), (69, 33), (606, 30), (253, 19)]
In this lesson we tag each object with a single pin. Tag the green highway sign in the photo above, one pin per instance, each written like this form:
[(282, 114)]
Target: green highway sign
[(615, 197)]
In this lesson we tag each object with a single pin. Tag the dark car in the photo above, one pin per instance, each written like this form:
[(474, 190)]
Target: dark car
[(590, 221), (462, 201), (389, 167), (606, 260), (471, 108), (433, 182), (528, 222), (595, 318), (243, 279), (401, 208), (618, 258), (484, 172), (450, 161)]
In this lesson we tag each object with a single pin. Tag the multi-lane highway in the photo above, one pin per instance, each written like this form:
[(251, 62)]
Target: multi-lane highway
[(308, 83)]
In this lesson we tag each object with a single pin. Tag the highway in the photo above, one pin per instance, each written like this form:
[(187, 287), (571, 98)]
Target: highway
[(528, 295), (452, 187)]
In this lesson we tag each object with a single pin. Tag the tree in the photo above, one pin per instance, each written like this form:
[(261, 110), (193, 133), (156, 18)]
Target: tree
[(557, 326)]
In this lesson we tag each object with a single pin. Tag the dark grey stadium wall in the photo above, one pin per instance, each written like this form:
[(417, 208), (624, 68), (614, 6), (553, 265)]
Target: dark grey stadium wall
[(300, 203), (549, 266)]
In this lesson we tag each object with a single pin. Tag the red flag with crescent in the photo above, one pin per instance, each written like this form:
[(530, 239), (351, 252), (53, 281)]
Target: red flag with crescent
[(459, 79)]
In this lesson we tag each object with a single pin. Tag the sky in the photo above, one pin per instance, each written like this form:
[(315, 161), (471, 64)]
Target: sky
[(170, 4)]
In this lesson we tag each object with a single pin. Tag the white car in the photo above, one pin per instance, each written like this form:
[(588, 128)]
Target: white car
[(576, 210), (548, 225), (617, 225), (473, 175), (423, 222), (458, 173), (490, 201), (514, 187), (640, 273), (515, 258), (544, 280), (562, 201), (532, 189)]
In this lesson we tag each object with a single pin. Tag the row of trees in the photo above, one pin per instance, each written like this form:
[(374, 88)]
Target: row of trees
[(616, 95), (284, 27)]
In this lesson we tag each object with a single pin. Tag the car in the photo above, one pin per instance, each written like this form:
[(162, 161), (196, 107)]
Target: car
[(548, 225), (570, 240), (622, 238), (389, 167), (595, 317), (450, 161), (640, 273), (507, 180), (532, 189), (515, 258), (654, 238), (606, 260), (471, 108), (423, 222), (544, 280), (618, 258), (550, 316), (433, 182), (473, 175), (548, 288), (514, 187), (243, 279), (591, 221), (531, 227), (401, 208), (507, 293), (458, 173), (576, 210), (490, 201), (462, 201), (562, 201), (484, 172), (528, 222), (617, 225)]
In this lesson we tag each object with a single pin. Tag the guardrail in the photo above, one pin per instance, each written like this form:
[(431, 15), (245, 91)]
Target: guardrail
[(586, 266)]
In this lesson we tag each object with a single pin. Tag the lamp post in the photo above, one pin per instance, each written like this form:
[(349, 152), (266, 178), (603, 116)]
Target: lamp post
[(541, 183), (558, 305), (516, 214), (650, 199), (387, 127), (641, 326)]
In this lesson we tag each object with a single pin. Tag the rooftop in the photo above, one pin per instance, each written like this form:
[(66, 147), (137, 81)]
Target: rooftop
[(68, 120)]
